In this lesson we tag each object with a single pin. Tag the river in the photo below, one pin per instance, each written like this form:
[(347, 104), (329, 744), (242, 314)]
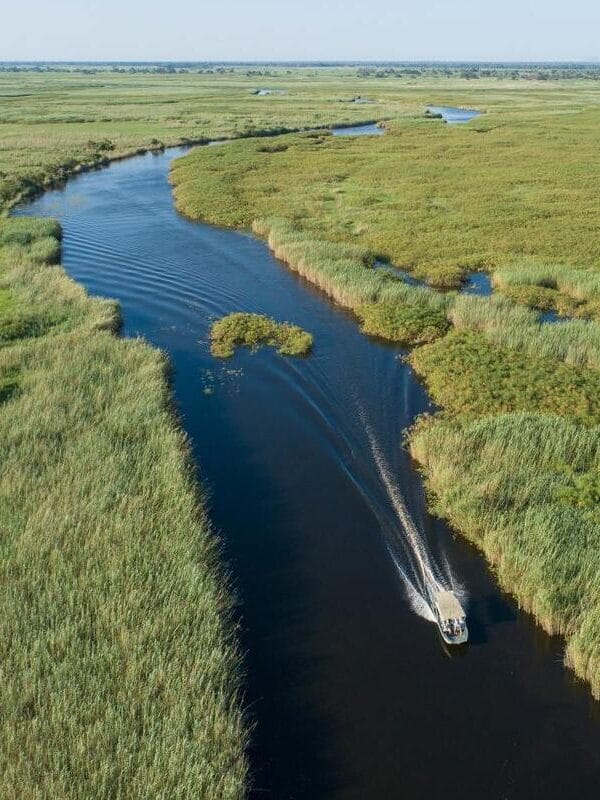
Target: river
[(352, 693)]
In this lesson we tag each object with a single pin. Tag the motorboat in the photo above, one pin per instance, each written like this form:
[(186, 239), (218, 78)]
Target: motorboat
[(451, 618)]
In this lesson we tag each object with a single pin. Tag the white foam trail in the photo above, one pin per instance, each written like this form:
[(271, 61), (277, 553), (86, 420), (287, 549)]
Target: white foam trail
[(459, 589), (421, 575), (417, 602)]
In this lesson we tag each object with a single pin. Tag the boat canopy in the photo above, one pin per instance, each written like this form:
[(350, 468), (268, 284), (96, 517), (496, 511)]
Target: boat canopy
[(448, 605)]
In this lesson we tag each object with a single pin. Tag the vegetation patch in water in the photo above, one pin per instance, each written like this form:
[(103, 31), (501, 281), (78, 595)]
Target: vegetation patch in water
[(254, 330)]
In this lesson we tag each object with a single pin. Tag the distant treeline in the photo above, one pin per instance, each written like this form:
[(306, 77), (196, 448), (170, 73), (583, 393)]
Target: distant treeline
[(542, 72), (133, 69), (469, 71)]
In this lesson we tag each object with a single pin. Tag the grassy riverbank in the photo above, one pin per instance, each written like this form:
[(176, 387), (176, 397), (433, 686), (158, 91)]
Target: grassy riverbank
[(525, 488), (120, 672), (496, 194)]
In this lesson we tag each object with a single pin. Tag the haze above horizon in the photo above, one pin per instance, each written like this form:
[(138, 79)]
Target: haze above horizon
[(312, 30)]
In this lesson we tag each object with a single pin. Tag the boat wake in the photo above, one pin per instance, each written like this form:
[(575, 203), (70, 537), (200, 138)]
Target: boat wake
[(421, 574)]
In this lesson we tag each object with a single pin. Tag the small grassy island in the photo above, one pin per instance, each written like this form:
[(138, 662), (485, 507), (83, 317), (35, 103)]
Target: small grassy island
[(253, 330)]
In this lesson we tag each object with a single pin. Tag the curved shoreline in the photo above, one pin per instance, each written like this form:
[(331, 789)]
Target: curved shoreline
[(115, 159), (308, 564), (316, 260), (225, 738), (63, 172)]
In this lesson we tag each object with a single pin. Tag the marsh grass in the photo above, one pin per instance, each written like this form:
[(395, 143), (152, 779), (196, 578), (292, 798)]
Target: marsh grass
[(507, 325), (119, 669), (254, 330), (569, 291), (518, 486), (467, 375), (387, 308), (402, 322), (9, 384)]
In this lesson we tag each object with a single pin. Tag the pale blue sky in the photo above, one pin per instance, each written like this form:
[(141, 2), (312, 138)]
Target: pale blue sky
[(194, 30)]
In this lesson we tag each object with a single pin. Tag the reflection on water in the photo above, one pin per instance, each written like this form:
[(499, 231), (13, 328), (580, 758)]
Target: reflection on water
[(353, 695)]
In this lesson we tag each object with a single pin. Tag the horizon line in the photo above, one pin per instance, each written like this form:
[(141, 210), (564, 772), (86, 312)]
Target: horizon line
[(310, 62)]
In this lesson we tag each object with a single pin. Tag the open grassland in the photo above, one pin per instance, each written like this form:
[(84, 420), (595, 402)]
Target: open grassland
[(513, 460), (120, 674), (432, 198), (55, 124), (254, 330)]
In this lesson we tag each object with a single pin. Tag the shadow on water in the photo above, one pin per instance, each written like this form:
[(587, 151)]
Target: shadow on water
[(352, 693), (486, 611), (274, 603)]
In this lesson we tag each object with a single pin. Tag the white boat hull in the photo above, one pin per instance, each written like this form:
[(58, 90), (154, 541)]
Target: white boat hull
[(460, 639)]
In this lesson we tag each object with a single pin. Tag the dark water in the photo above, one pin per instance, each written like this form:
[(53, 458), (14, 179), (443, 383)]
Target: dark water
[(454, 116), (353, 694)]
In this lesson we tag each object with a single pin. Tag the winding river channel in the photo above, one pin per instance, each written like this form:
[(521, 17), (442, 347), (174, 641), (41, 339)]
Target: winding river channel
[(353, 695)]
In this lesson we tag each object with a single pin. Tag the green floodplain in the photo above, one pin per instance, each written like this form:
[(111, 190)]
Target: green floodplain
[(107, 554)]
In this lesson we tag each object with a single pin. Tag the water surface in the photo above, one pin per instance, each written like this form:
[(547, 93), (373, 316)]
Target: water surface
[(454, 116), (371, 129), (353, 694)]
